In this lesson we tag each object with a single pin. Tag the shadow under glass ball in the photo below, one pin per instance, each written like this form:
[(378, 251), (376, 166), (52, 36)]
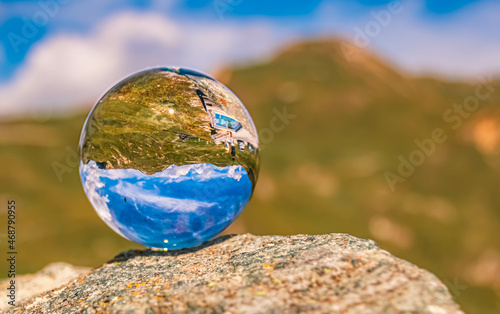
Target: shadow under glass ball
[(169, 158)]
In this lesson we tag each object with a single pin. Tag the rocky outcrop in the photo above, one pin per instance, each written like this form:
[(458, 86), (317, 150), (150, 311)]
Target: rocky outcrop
[(50, 277), (254, 274)]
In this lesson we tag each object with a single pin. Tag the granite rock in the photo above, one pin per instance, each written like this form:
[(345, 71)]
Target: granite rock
[(334, 273), (50, 277)]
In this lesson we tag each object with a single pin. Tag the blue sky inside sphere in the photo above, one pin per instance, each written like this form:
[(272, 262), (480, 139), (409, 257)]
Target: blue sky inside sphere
[(184, 205)]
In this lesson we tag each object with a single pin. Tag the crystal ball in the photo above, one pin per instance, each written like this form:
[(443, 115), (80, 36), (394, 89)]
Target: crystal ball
[(169, 157)]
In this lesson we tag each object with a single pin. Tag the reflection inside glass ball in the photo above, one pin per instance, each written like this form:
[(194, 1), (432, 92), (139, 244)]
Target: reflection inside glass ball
[(169, 158)]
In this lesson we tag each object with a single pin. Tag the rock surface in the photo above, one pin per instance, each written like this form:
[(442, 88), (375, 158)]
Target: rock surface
[(50, 277), (254, 274)]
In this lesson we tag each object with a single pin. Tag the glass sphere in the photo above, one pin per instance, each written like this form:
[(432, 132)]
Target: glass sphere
[(169, 158)]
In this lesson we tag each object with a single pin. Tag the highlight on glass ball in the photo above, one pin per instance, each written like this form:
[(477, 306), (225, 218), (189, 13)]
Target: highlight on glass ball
[(169, 158)]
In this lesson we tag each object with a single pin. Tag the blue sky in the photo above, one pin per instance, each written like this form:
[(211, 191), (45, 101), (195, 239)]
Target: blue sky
[(199, 201), (59, 55)]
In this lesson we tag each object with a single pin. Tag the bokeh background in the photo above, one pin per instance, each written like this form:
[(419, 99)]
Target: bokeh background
[(341, 92)]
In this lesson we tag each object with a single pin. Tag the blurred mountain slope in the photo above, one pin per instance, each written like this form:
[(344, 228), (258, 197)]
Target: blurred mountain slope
[(353, 119)]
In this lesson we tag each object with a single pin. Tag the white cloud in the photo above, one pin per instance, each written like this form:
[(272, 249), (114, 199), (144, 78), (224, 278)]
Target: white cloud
[(68, 70), (463, 44), (174, 173), (460, 45), (92, 184), (147, 198), (65, 70)]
